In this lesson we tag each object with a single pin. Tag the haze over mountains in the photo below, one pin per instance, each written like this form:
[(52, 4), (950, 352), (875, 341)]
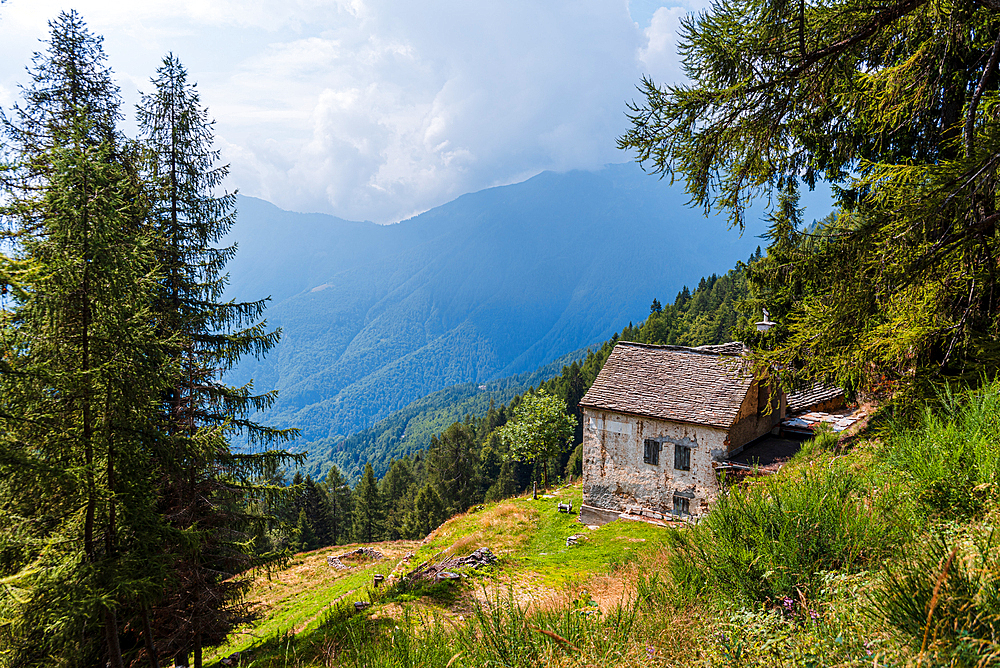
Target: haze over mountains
[(492, 284)]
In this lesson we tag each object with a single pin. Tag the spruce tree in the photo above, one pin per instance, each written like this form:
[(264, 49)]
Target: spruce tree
[(206, 488), (452, 463), (772, 280), (369, 511), (304, 538), (398, 488), (338, 496), (316, 507), (82, 367), (427, 514)]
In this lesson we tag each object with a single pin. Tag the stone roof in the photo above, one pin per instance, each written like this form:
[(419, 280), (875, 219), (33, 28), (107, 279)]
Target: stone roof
[(812, 396), (697, 386)]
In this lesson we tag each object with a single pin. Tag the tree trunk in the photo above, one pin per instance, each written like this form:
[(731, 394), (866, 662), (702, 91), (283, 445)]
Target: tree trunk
[(111, 635), (147, 634), (197, 651)]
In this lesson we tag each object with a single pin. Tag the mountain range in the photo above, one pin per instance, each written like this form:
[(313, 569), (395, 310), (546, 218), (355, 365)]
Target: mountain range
[(491, 285)]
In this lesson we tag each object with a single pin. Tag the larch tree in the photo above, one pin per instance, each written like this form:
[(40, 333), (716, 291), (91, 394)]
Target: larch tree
[(207, 488), (895, 102), (82, 367)]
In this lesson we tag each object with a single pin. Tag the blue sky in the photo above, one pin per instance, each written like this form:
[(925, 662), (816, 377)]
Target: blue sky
[(377, 110)]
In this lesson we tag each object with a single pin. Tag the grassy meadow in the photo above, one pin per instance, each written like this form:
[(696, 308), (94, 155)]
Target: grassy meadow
[(873, 550)]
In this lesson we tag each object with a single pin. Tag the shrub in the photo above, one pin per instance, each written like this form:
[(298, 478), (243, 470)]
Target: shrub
[(772, 538)]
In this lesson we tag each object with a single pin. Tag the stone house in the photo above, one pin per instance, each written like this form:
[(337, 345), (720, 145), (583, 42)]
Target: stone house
[(658, 418)]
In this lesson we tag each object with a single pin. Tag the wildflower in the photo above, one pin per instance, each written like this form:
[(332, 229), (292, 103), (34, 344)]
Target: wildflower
[(789, 604)]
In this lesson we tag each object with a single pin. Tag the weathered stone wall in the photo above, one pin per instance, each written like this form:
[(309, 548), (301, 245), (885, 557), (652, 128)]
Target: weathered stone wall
[(615, 476), (751, 423)]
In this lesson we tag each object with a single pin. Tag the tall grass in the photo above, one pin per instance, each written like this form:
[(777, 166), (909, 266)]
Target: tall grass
[(953, 456), (774, 538), (500, 631), (944, 594), (946, 598)]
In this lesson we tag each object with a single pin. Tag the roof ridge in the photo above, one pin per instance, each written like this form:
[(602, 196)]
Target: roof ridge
[(701, 350)]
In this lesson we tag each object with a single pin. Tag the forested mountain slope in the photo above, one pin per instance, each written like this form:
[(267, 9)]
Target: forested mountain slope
[(493, 284), (411, 428)]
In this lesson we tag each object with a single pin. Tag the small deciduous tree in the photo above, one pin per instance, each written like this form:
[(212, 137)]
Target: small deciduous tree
[(539, 430)]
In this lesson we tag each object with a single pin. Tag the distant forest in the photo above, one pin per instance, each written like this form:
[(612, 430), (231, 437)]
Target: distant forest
[(467, 463)]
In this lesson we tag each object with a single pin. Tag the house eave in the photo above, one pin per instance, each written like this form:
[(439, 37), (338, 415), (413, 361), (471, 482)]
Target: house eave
[(694, 423)]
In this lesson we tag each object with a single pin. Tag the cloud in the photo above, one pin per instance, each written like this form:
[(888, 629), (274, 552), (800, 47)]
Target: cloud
[(371, 109), (658, 55), (411, 106)]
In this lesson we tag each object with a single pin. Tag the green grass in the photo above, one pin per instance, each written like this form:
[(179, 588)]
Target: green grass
[(299, 607), (528, 535), (773, 538), (532, 538), (605, 549)]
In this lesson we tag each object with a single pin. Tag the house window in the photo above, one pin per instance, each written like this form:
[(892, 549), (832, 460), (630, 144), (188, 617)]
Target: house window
[(682, 505), (682, 457), (651, 452)]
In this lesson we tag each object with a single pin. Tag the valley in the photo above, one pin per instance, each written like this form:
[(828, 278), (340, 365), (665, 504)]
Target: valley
[(492, 285)]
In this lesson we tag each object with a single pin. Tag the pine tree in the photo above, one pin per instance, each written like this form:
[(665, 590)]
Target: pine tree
[(82, 367), (206, 489)]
